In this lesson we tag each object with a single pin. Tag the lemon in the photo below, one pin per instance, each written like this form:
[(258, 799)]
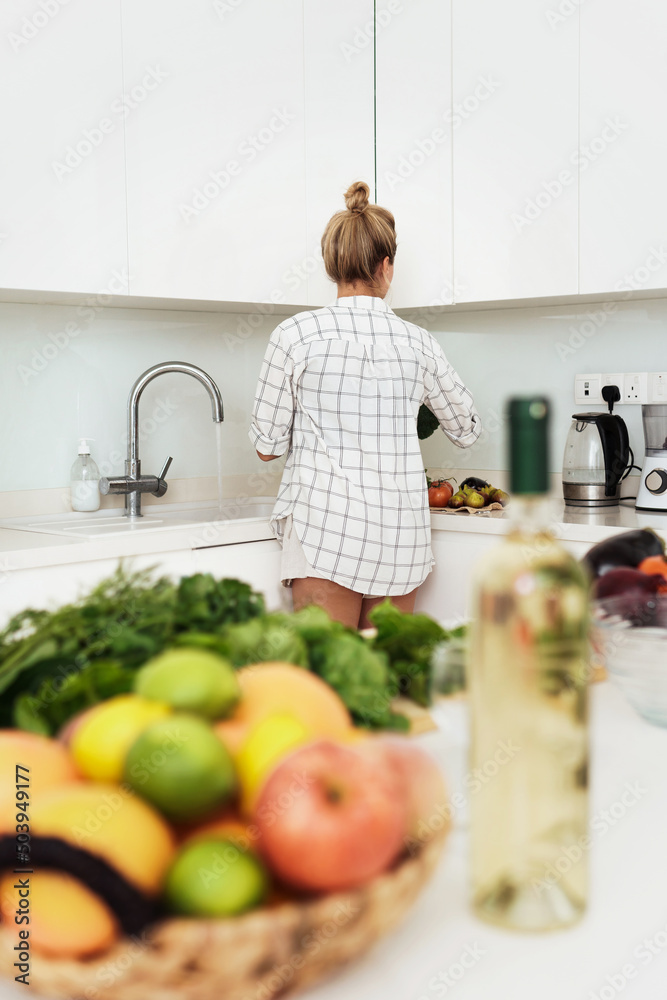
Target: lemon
[(181, 767), (266, 744), (215, 878), (101, 742), (190, 680)]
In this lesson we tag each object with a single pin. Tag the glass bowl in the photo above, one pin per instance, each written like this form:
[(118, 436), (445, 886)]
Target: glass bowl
[(630, 638)]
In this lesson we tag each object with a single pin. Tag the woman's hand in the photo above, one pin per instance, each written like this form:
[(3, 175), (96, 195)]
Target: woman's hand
[(267, 458)]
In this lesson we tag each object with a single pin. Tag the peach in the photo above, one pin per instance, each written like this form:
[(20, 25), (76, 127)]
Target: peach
[(421, 778), (111, 822), (67, 919), (49, 762), (273, 688)]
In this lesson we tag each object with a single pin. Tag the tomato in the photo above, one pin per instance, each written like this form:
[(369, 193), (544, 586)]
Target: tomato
[(440, 493), (655, 566)]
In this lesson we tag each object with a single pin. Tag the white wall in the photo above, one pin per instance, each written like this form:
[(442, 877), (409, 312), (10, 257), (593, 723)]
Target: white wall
[(505, 352), (56, 386)]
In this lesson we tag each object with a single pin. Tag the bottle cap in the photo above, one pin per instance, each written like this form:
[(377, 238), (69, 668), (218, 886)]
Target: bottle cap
[(529, 444), (84, 448)]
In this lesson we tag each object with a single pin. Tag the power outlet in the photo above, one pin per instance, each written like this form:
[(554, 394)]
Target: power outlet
[(635, 388), (614, 379), (657, 387)]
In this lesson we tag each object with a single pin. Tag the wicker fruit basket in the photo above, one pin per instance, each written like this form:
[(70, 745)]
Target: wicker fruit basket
[(269, 953)]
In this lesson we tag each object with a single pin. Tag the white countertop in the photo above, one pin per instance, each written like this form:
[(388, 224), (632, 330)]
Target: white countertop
[(628, 895), (31, 549), (570, 523)]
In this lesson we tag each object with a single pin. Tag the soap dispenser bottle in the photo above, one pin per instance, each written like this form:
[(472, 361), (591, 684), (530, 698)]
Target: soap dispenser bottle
[(85, 480)]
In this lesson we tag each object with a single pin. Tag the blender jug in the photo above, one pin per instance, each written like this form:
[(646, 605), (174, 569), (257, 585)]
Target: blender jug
[(652, 492)]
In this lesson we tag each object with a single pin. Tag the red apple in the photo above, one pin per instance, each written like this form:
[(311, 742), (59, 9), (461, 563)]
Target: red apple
[(424, 788), (331, 818)]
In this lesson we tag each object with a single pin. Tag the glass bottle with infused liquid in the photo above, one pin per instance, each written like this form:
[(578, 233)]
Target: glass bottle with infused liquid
[(527, 675)]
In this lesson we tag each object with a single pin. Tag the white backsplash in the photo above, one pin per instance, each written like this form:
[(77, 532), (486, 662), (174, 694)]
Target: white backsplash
[(504, 352), (67, 372)]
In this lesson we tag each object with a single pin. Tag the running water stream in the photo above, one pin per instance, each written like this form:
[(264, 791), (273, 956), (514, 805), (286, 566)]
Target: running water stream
[(218, 455)]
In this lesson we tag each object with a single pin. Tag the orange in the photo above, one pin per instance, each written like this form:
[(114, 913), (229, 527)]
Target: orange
[(111, 822), (49, 762), (67, 919), (655, 566), (276, 688)]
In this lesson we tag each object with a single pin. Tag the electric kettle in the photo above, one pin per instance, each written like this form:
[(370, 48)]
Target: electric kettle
[(597, 459)]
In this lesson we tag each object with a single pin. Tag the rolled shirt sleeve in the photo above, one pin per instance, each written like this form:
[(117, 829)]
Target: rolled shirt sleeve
[(450, 401), (273, 410)]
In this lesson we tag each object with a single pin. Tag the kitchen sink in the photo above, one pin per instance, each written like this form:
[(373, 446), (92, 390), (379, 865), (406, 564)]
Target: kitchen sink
[(156, 517)]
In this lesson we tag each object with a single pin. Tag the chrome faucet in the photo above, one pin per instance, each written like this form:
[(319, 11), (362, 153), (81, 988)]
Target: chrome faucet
[(133, 484)]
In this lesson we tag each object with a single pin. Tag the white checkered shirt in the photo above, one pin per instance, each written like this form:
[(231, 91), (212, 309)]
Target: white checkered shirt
[(339, 390)]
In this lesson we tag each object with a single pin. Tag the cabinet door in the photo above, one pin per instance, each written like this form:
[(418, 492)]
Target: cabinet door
[(215, 155), (62, 219), (338, 74), (623, 145), (256, 563), (414, 146), (515, 125)]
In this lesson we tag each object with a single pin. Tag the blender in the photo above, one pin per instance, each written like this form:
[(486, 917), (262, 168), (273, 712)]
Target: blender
[(652, 493)]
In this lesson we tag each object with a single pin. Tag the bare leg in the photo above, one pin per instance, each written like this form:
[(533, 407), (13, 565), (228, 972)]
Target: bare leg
[(341, 604), (405, 602)]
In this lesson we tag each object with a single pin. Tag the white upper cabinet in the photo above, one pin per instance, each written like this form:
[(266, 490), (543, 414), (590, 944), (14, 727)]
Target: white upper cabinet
[(338, 74), (215, 151), (414, 145), (623, 145), (516, 148), (62, 214)]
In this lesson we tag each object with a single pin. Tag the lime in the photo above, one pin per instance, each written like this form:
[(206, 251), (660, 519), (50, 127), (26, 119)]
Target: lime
[(181, 767), (268, 742), (190, 680), (100, 743), (215, 878)]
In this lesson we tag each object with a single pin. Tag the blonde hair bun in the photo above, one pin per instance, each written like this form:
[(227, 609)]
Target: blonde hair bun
[(356, 241), (356, 197)]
